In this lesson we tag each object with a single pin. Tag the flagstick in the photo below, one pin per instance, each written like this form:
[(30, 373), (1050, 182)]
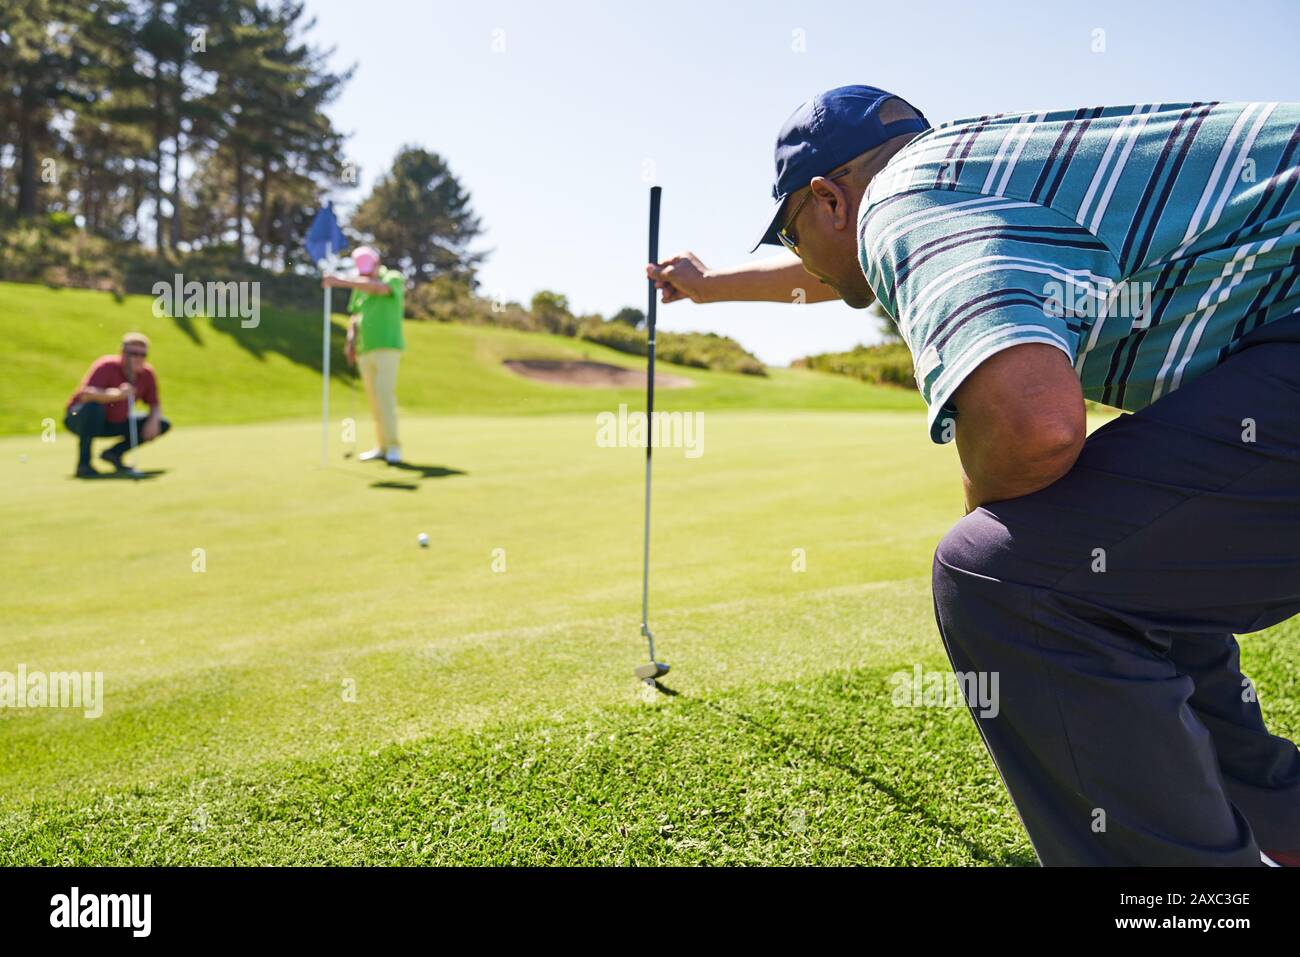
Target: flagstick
[(325, 368)]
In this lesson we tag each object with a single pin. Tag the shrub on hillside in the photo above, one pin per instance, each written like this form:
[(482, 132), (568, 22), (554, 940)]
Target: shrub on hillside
[(700, 350), (550, 310), (887, 364), (441, 300), (224, 264), (56, 253), (448, 299)]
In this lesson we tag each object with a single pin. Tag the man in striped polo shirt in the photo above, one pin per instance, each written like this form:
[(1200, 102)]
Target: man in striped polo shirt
[(1144, 257)]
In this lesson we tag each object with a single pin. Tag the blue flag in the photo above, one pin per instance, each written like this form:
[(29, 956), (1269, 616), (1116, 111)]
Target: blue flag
[(324, 235)]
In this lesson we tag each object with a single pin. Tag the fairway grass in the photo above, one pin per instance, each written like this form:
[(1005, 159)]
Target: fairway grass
[(313, 576), (290, 679), (495, 719)]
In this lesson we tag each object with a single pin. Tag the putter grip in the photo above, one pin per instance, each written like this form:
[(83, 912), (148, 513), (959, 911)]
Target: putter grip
[(655, 193)]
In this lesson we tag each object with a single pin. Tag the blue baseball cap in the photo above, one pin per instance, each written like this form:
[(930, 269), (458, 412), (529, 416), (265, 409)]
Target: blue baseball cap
[(828, 131)]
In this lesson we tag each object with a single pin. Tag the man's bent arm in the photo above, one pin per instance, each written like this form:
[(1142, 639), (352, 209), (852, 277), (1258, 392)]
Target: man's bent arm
[(769, 280), (93, 393), (365, 285), (153, 424), (1020, 423)]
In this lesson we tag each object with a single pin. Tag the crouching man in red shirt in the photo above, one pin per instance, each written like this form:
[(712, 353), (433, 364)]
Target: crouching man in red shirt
[(100, 406)]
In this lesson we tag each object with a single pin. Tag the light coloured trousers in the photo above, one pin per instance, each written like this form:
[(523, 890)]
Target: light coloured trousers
[(379, 373)]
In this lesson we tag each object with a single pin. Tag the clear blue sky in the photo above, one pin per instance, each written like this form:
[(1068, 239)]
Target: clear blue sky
[(550, 136)]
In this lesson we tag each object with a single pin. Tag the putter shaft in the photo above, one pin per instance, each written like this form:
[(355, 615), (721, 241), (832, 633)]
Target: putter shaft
[(655, 192)]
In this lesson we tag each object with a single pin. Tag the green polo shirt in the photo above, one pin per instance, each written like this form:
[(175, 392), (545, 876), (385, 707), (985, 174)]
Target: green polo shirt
[(381, 316)]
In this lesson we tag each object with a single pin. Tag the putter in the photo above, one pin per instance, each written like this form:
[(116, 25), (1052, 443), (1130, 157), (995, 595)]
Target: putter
[(351, 451), (653, 669), (130, 420)]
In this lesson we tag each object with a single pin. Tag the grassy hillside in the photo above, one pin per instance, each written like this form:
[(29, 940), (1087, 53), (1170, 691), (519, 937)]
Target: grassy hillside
[(215, 371)]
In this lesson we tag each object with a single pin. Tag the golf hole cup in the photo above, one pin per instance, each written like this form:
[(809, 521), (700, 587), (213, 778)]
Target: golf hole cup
[(423, 539)]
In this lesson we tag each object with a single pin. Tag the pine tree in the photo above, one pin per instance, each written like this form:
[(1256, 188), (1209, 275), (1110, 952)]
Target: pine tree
[(42, 61), (419, 216)]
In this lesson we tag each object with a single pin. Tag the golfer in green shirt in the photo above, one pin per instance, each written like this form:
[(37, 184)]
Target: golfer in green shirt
[(375, 341)]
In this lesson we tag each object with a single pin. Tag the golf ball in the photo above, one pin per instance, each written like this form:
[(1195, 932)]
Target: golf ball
[(423, 539)]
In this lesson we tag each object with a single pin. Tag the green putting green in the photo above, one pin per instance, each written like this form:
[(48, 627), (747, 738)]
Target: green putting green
[(325, 690)]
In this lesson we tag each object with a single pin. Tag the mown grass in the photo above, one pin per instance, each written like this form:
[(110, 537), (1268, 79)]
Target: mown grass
[(823, 771), (325, 691)]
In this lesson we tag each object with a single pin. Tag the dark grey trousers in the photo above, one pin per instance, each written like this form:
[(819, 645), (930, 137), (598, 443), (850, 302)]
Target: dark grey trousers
[(1107, 604)]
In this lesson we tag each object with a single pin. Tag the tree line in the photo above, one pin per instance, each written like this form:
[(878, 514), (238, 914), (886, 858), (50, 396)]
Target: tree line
[(180, 125)]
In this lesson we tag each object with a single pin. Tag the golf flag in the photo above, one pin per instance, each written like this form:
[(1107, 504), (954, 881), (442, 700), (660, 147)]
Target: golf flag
[(324, 238), (324, 242)]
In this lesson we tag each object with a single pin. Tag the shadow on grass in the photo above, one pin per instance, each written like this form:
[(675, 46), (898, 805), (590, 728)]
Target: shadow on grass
[(292, 334), (899, 799), (186, 325), (426, 471), (419, 472), (142, 475)]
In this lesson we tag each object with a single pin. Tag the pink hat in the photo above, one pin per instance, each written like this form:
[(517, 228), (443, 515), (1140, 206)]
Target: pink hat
[(365, 259)]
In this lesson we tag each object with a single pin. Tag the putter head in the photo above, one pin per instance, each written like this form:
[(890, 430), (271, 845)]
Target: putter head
[(651, 671)]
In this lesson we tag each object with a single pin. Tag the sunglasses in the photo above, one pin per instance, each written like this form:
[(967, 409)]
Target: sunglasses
[(786, 232), (138, 355)]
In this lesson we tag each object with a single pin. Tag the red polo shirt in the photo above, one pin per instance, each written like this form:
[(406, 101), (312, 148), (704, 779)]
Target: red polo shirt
[(107, 372)]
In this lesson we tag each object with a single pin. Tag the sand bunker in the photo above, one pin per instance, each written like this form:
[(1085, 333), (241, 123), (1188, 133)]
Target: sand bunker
[(591, 375)]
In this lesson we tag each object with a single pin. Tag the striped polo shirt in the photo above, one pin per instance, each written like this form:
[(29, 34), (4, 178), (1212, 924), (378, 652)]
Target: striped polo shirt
[(1142, 241)]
